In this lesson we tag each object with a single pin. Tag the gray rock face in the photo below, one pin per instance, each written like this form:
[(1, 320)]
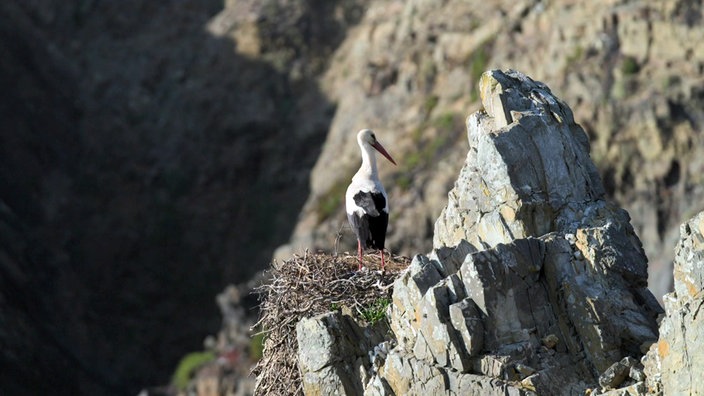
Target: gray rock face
[(674, 364), (405, 66), (527, 172), (536, 283), (619, 371), (333, 355)]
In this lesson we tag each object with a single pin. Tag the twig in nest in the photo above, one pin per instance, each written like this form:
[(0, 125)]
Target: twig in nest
[(304, 287)]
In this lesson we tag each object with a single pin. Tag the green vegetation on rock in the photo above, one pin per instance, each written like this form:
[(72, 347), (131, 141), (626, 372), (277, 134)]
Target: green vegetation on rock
[(188, 365), (430, 104), (478, 62), (331, 202), (256, 346), (446, 125), (629, 66), (376, 311)]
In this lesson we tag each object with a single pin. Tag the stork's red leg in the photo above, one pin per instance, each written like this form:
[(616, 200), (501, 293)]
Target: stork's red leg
[(359, 252)]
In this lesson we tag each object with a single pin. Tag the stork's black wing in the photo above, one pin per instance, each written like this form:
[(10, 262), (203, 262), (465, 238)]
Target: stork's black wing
[(370, 227), (372, 203)]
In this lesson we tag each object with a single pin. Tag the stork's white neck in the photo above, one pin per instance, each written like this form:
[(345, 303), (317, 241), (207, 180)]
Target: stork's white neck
[(368, 168)]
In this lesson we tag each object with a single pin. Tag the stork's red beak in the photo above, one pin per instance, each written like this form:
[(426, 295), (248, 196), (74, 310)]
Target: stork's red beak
[(383, 152)]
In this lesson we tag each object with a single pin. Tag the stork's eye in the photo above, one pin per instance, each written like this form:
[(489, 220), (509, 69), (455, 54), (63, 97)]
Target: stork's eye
[(373, 137)]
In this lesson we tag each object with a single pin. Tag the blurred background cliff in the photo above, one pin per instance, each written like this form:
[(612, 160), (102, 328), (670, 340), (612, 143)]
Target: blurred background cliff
[(151, 153)]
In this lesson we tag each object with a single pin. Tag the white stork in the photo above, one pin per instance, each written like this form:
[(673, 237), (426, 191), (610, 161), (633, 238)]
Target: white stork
[(366, 202)]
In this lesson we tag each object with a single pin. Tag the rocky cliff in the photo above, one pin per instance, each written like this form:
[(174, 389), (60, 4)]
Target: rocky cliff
[(537, 284), (674, 363), (151, 153), (632, 72)]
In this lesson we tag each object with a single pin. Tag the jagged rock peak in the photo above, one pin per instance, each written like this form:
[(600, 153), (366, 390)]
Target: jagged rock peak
[(536, 283), (527, 171)]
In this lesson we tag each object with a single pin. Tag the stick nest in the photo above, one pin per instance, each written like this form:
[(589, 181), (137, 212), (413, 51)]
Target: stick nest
[(305, 286)]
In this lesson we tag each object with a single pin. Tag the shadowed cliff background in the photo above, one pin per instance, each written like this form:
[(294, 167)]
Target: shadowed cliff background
[(153, 152), (144, 165)]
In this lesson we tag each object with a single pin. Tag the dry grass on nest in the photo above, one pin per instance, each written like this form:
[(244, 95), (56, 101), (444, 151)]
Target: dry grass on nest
[(305, 286)]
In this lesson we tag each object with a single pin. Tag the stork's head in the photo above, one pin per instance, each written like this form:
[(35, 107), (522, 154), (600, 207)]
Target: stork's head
[(366, 137)]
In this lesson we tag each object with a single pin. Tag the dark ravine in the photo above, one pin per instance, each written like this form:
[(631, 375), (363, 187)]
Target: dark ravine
[(141, 171)]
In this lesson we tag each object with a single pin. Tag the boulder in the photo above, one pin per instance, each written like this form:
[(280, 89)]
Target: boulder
[(619, 371), (332, 353)]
